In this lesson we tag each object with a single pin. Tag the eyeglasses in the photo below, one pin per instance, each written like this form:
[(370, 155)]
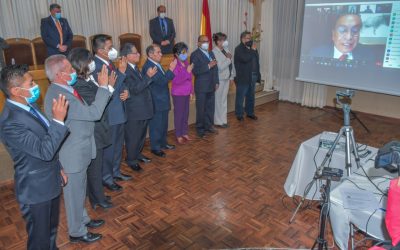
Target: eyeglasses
[(343, 30)]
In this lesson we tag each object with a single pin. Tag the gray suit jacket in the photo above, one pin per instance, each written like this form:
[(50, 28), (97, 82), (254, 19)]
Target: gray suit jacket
[(79, 148)]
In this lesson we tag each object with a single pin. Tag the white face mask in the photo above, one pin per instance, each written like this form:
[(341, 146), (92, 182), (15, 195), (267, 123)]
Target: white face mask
[(162, 15), (204, 46), (112, 54), (225, 44), (92, 67)]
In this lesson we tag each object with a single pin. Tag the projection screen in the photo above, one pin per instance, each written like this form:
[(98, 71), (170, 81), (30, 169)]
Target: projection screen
[(352, 44)]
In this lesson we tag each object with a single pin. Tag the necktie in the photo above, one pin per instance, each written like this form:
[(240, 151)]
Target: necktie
[(34, 112), (58, 25), (110, 66), (230, 65), (138, 72), (343, 57), (160, 68), (163, 28), (77, 95)]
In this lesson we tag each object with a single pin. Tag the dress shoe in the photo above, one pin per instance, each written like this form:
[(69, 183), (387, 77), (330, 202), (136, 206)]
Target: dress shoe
[(201, 135), (95, 223), (87, 238), (239, 118), (212, 130), (253, 117), (123, 177), (105, 204), (223, 126), (168, 146), (136, 167), (113, 187), (159, 153), (145, 159)]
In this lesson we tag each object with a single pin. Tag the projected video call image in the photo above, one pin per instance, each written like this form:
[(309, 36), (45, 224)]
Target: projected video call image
[(353, 44), (353, 33)]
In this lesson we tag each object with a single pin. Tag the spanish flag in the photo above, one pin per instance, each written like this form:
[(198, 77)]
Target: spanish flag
[(205, 27)]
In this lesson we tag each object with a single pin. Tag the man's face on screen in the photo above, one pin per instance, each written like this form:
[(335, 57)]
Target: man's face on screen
[(346, 33)]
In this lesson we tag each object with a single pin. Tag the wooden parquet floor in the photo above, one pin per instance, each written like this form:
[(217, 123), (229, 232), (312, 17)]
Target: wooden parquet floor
[(221, 192)]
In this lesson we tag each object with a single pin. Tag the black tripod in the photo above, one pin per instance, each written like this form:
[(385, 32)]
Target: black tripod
[(325, 207)]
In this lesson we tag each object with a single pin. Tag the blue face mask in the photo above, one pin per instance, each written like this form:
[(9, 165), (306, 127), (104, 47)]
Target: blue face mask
[(58, 15), (35, 94), (183, 57), (74, 77)]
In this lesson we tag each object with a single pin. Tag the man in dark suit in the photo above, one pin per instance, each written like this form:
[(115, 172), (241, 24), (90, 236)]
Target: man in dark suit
[(139, 107), (206, 81), (247, 67), (345, 42), (105, 53), (79, 148), (162, 31), (55, 32), (33, 143), (161, 99)]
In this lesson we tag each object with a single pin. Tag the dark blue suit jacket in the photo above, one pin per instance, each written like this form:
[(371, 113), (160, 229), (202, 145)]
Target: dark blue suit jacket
[(157, 35), (205, 79), (34, 150), (51, 37), (159, 87), (140, 104), (116, 108)]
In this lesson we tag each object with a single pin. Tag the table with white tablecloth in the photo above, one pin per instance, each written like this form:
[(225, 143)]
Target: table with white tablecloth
[(303, 167)]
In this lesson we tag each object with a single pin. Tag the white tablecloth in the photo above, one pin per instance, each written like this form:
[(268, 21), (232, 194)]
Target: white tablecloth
[(303, 167), (341, 218)]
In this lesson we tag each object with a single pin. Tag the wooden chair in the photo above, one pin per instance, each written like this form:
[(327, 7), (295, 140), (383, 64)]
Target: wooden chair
[(79, 41), (39, 51), (135, 39), (20, 50)]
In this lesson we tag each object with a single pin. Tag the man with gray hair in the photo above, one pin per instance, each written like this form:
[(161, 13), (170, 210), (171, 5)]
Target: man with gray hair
[(79, 148)]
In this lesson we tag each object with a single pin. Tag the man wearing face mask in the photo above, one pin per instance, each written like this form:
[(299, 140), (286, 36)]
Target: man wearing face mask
[(162, 31), (79, 148), (105, 54), (33, 142), (55, 32), (206, 81), (247, 66)]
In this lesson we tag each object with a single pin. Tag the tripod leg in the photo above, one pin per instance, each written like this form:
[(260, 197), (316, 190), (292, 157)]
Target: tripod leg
[(355, 152), (348, 132), (358, 119), (330, 152)]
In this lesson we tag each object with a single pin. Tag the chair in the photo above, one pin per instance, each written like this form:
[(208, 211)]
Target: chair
[(39, 51), (20, 50), (135, 39), (79, 41)]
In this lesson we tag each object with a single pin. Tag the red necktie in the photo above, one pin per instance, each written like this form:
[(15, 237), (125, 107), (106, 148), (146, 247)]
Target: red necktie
[(110, 66), (343, 57), (77, 95)]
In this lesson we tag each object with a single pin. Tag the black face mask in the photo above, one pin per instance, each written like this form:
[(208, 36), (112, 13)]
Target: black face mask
[(249, 43)]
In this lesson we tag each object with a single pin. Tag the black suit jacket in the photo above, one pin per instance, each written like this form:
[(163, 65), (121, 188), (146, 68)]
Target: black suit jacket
[(157, 35), (140, 104), (51, 37), (102, 133), (116, 108), (34, 150), (159, 87), (369, 53), (205, 79), (243, 64)]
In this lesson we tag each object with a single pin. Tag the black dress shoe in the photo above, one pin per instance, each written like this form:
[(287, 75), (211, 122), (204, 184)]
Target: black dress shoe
[(253, 117), (113, 187), (95, 223), (136, 167), (201, 135), (145, 159), (87, 238), (105, 204), (123, 177), (159, 153), (212, 130), (168, 146), (239, 118)]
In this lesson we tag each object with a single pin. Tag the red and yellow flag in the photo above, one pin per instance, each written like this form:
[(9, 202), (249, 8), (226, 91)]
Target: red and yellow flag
[(205, 27)]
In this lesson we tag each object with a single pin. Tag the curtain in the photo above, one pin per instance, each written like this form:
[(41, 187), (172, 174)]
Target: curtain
[(281, 22), (21, 18), (266, 45)]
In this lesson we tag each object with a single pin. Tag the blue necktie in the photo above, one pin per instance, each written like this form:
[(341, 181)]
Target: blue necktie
[(34, 112)]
